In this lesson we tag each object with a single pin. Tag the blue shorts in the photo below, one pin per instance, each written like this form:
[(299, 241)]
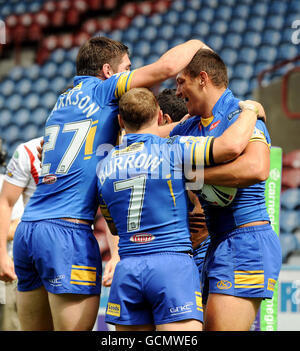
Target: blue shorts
[(62, 256), (245, 262), (155, 289)]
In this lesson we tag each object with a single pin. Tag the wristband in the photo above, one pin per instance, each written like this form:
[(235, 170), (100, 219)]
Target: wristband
[(250, 107)]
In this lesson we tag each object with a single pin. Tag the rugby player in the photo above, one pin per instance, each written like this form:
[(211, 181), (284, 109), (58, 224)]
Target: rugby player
[(243, 260), (57, 258), (156, 284)]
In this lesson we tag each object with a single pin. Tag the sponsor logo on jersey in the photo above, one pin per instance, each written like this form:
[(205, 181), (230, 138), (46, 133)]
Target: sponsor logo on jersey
[(49, 179), (113, 309), (224, 284), (9, 174), (133, 148), (142, 238), (182, 309), (214, 125), (232, 114)]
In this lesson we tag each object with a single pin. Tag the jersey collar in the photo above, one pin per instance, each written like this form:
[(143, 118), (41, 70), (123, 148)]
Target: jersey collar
[(217, 109)]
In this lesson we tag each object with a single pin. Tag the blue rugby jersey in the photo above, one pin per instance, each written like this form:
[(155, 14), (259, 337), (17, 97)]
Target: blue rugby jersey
[(83, 118), (142, 190), (249, 203)]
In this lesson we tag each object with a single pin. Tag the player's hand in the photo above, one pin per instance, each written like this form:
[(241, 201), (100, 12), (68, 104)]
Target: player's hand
[(259, 107), (109, 270), (7, 271)]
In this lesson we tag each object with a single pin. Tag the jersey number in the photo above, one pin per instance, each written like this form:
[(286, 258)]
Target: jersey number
[(81, 130), (137, 186)]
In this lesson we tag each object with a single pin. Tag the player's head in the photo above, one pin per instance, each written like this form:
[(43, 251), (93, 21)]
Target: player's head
[(205, 72), (172, 106), (2, 155), (138, 108), (102, 57)]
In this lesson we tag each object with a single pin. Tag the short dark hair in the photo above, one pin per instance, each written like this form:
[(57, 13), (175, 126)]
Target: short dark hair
[(96, 52), (138, 107), (171, 104), (210, 62)]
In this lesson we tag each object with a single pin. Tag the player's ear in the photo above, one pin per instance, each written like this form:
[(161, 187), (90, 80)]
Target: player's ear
[(168, 119), (121, 123), (203, 78), (107, 70), (160, 118)]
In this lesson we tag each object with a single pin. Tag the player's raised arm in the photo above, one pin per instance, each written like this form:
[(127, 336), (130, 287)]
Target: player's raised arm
[(168, 65)]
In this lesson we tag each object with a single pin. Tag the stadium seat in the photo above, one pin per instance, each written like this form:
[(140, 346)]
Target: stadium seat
[(291, 159), (215, 42), (290, 177), (159, 46), (240, 11), (200, 30), (288, 243), (266, 53), (229, 56), (259, 9), (247, 55), (31, 101), (277, 7), (274, 22), (251, 39), (6, 118), (256, 24), (238, 86), (289, 220), (188, 16), (14, 102), (290, 198), (232, 40), (7, 87), (22, 117), (23, 86), (242, 71)]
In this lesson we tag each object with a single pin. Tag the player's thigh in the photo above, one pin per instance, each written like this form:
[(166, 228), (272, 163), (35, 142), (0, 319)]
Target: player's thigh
[(34, 310), (135, 328), (74, 311), (185, 325), (230, 313)]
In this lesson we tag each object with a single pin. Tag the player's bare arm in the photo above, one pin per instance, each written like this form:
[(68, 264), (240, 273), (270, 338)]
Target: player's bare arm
[(235, 139), (250, 168), (8, 197), (167, 66)]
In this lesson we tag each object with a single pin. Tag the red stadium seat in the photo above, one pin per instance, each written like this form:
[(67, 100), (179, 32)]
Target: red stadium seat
[(290, 178), (81, 38), (291, 159), (121, 22)]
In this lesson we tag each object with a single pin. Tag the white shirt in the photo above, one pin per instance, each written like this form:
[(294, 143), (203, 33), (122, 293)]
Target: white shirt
[(24, 168)]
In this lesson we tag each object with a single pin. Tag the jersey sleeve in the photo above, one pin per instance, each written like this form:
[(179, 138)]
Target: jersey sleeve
[(261, 133), (197, 151), (114, 87), (18, 171)]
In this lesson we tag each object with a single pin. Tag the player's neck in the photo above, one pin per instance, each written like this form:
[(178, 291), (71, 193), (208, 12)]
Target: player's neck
[(212, 98), (152, 129)]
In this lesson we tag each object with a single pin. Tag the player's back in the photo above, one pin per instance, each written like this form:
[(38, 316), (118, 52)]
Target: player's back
[(84, 118), (142, 186)]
